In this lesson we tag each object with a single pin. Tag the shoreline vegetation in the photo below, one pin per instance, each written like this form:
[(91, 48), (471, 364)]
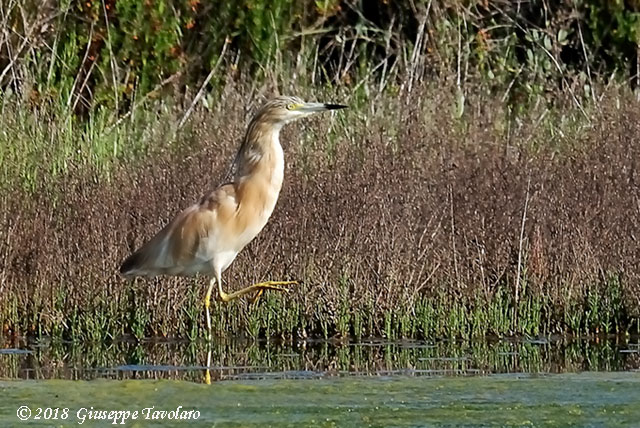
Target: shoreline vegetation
[(483, 182), (246, 358)]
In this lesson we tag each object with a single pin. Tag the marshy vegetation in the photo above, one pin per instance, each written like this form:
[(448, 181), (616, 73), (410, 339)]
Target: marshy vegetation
[(483, 182)]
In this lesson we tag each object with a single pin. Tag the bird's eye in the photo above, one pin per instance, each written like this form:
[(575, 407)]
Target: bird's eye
[(290, 106)]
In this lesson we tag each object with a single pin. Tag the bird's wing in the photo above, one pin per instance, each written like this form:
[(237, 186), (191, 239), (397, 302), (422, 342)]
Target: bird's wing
[(188, 241)]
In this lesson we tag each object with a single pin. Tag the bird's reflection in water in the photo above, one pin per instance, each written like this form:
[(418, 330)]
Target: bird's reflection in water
[(207, 370)]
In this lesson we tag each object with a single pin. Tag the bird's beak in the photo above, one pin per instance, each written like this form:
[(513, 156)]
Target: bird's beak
[(316, 107)]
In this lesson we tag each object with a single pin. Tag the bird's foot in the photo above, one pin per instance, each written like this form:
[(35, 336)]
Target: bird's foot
[(275, 285), (271, 285), (259, 287)]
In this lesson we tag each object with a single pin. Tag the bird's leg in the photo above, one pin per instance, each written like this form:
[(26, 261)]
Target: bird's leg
[(260, 287), (257, 296), (207, 373), (207, 303)]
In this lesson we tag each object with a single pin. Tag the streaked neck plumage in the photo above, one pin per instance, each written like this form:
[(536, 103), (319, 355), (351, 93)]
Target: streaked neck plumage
[(260, 148), (258, 177)]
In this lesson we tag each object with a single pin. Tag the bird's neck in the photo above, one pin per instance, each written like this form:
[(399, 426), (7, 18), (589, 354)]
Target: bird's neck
[(261, 156)]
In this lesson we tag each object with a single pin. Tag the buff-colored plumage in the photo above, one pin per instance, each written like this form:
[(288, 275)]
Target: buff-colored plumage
[(206, 237)]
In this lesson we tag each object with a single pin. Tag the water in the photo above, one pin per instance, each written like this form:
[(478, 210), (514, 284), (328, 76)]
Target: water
[(545, 383)]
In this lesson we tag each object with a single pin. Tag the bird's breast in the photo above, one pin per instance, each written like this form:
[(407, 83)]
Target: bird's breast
[(257, 196)]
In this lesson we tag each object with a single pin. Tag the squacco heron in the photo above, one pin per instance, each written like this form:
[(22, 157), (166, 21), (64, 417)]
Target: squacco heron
[(206, 237)]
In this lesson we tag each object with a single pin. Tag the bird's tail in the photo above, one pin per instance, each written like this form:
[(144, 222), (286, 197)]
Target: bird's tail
[(131, 264)]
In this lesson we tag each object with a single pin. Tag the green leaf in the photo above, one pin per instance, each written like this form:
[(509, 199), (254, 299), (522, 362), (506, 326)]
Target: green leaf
[(562, 36)]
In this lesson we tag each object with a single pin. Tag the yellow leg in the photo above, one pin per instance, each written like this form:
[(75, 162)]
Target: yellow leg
[(207, 303), (255, 298), (260, 287), (207, 373)]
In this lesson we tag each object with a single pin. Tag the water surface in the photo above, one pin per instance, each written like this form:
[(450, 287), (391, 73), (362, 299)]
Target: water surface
[(542, 382)]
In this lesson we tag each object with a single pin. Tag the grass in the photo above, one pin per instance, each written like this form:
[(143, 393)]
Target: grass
[(403, 217)]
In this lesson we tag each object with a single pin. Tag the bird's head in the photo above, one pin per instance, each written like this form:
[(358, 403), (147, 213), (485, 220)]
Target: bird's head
[(282, 110)]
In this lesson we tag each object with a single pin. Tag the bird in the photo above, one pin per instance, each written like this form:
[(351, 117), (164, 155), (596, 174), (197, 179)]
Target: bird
[(206, 237)]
